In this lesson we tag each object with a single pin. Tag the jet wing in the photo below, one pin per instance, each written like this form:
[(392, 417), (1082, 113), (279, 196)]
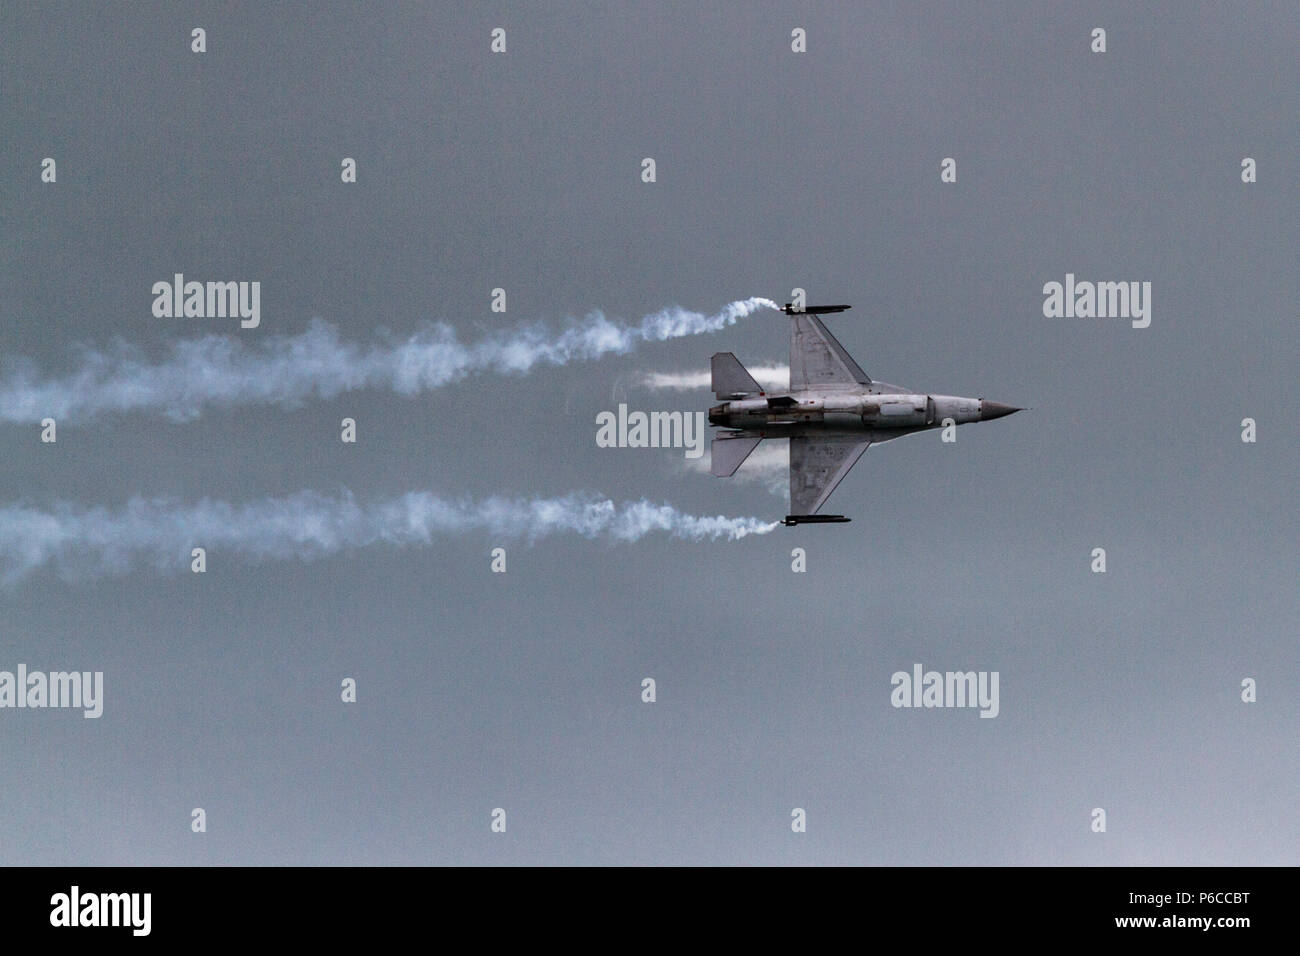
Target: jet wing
[(817, 464), (817, 360)]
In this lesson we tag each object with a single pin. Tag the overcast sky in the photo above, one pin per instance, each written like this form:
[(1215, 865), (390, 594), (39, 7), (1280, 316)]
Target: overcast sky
[(775, 170)]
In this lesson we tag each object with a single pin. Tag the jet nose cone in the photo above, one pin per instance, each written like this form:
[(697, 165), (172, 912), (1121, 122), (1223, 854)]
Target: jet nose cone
[(992, 410)]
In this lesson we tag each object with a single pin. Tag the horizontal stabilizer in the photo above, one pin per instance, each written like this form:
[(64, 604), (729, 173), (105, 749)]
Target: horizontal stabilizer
[(728, 454), (730, 379)]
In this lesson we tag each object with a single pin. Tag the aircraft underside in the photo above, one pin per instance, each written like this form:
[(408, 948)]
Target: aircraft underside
[(831, 413)]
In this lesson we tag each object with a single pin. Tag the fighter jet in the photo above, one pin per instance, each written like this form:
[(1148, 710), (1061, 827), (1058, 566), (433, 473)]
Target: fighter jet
[(832, 412)]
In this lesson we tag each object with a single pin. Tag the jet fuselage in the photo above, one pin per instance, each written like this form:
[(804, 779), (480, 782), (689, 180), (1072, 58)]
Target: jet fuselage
[(848, 411)]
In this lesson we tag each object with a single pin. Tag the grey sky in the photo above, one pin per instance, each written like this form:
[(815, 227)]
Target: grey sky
[(1118, 690)]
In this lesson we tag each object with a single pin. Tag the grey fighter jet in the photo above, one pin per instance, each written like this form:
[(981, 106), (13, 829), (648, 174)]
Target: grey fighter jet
[(831, 413)]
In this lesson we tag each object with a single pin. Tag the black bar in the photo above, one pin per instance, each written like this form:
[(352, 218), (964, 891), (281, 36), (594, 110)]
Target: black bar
[(331, 905)]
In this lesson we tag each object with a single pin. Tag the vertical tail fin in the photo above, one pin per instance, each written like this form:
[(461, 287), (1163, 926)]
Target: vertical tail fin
[(730, 379)]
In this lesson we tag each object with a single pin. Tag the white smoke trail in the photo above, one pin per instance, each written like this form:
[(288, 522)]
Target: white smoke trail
[(772, 377), (88, 542), (219, 370)]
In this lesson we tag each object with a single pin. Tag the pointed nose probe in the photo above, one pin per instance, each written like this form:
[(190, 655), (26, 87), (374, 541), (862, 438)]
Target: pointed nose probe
[(992, 410)]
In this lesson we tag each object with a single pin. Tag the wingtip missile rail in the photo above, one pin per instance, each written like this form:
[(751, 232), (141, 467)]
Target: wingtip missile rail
[(793, 520), (789, 309)]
